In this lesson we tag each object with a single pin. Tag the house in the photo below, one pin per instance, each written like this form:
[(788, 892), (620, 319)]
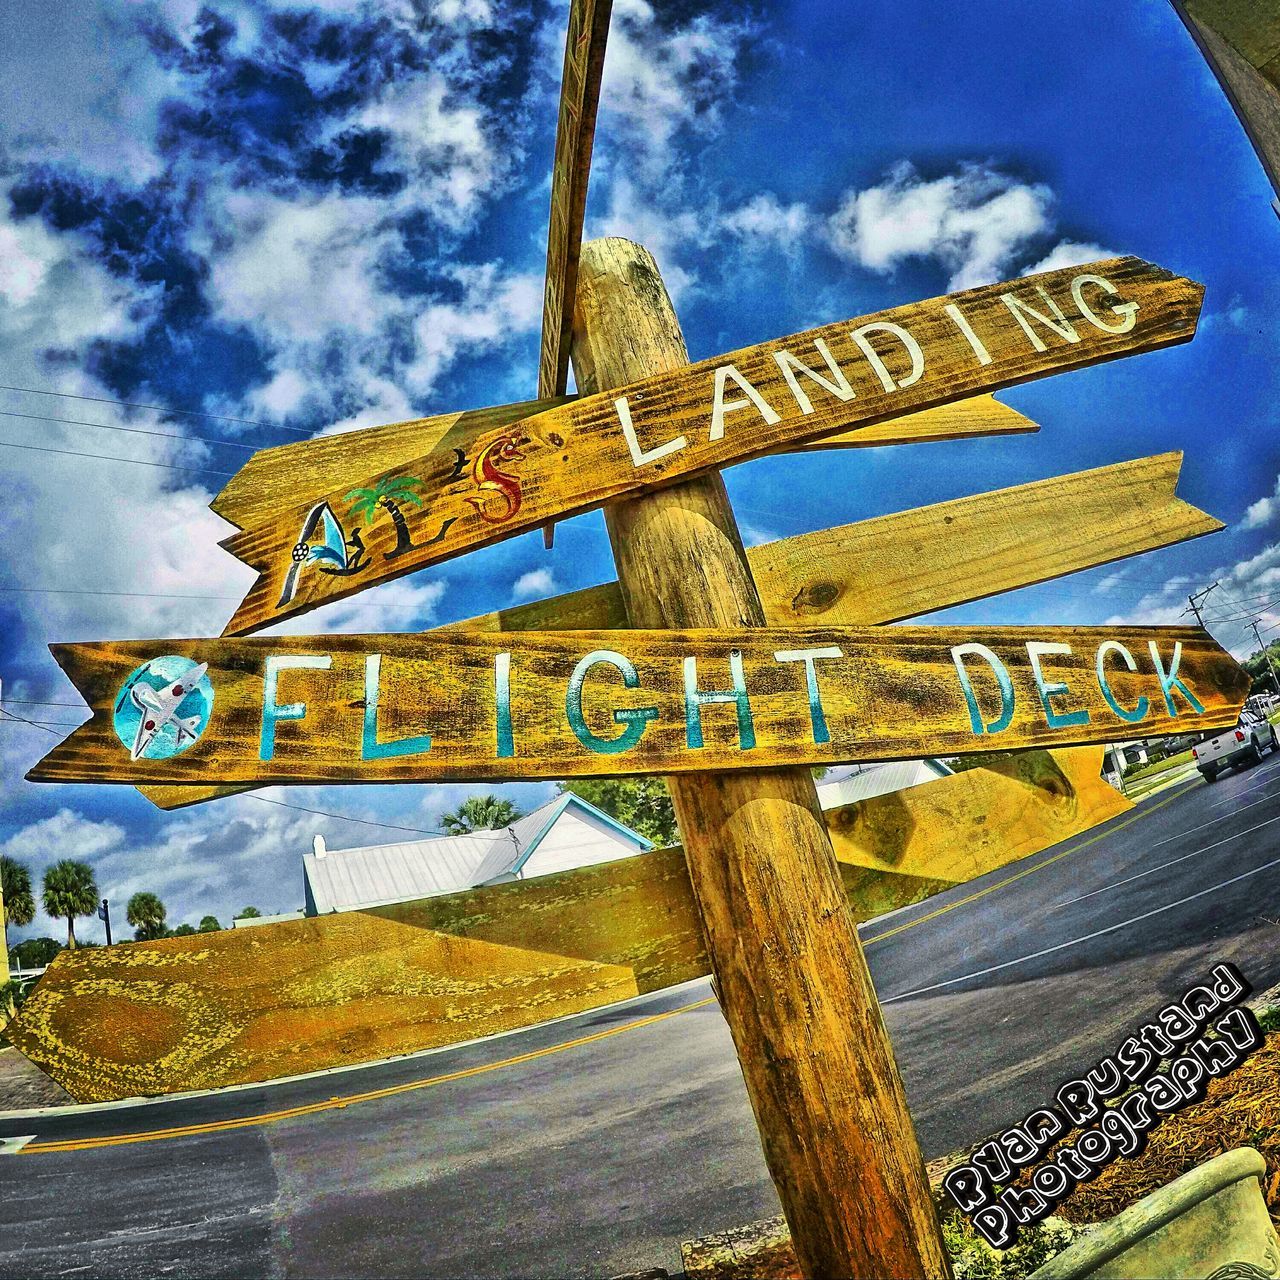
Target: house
[(865, 781), (568, 832)]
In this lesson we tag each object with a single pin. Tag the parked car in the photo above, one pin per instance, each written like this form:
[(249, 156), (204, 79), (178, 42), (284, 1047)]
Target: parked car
[(1242, 745)]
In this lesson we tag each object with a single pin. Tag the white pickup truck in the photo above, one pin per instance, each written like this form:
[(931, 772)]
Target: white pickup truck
[(1242, 745)]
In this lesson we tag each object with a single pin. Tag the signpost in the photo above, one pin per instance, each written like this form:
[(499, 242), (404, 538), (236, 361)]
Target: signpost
[(730, 691), (479, 485)]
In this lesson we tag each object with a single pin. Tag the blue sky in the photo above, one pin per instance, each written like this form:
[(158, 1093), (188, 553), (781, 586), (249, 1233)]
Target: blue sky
[(325, 214)]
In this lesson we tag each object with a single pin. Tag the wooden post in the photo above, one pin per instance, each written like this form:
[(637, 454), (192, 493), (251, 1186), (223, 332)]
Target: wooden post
[(791, 975)]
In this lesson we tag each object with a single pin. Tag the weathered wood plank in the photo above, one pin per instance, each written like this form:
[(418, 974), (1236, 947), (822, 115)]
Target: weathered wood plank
[(578, 704), (911, 562), (472, 489), (271, 478), (570, 172)]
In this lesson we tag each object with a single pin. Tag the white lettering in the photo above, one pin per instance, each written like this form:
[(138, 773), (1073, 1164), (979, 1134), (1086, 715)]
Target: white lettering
[(640, 456), (790, 366), (882, 371), (1058, 323), (721, 406)]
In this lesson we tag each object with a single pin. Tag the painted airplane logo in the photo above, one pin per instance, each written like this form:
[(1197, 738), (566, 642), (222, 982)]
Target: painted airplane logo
[(163, 707), (159, 708)]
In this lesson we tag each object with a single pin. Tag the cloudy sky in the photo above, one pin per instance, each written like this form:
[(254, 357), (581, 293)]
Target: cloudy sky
[(302, 215)]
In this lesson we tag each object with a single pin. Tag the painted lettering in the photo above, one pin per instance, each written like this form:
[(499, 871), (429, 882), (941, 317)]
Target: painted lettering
[(1170, 680), (370, 747), (272, 711), (641, 456), (695, 699), (751, 399), (1127, 311), (837, 385), (817, 720), (1142, 706), (1057, 322), (958, 654), (634, 719), (1053, 689), (887, 380)]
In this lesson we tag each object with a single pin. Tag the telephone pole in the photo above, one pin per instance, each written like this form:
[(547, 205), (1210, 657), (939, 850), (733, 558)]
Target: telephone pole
[(1266, 656), (1194, 601)]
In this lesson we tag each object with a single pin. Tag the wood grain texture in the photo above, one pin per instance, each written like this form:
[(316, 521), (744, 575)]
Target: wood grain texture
[(680, 422), (892, 567), (561, 942), (570, 172), (791, 978), (882, 693)]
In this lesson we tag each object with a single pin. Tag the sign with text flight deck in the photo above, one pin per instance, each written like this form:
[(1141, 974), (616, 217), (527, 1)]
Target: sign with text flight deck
[(403, 708), (481, 486)]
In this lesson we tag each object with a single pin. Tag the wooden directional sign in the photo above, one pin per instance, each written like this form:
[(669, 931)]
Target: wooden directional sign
[(475, 490), (400, 708), (911, 562)]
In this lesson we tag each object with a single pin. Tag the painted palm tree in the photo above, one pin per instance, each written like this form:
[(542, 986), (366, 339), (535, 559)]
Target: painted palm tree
[(389, 494), (480, 813), (146, 913), (70, 890)]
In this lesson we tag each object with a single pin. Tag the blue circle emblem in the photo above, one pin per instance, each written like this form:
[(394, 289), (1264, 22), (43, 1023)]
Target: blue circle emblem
[(163, 708)]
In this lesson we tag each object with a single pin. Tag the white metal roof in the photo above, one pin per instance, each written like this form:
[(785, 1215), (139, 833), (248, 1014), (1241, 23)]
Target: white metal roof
[(347, 879), (866, 781)]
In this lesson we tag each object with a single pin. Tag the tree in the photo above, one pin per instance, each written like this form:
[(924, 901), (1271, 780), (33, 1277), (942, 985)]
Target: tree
[(183, 931), (70, 890), (146, 913), (643, 804), (389, 493), (249, 913), (17, 903), (35, 953), (209, 924), (479, 813)]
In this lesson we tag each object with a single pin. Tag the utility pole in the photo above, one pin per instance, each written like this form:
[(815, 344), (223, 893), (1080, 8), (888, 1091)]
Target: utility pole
[(1266, 656), (1194, 602)]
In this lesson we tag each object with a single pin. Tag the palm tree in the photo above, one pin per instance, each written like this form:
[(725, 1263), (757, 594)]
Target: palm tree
[(16, 904), (146, 913), (480, 813), (389, 493), (70, 890)]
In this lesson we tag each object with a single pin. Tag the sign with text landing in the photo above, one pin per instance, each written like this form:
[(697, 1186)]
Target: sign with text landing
[(490, 483)]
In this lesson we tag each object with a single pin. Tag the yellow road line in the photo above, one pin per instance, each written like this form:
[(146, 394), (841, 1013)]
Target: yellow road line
[(1030, 871), (337, 1104)]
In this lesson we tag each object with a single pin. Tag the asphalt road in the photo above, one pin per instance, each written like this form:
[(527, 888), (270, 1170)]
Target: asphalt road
[(595, 1145)]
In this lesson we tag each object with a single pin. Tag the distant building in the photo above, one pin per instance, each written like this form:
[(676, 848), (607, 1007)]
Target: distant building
[(865, 781), (249, 922), (567, 832)]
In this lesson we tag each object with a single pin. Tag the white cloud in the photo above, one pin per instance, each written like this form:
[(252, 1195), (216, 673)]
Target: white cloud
[(1068, 253), (534, 585), (64, 834), (765, 220), (394, 606), (976, 222), (496, 307), (1264, 511)]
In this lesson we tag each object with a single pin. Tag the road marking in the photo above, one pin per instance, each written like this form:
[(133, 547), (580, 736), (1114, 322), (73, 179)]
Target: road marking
[(1048, 862), (1088, 937), (1172, 862), (1214, 804), (338, 1104), (11, 1146)]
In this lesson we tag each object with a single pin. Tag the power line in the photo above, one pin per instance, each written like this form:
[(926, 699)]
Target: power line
[(66, 724), (154, 408), (36, 702), (83, 591), (109, 457), (133, 431), (390, 826), (35, 724)]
